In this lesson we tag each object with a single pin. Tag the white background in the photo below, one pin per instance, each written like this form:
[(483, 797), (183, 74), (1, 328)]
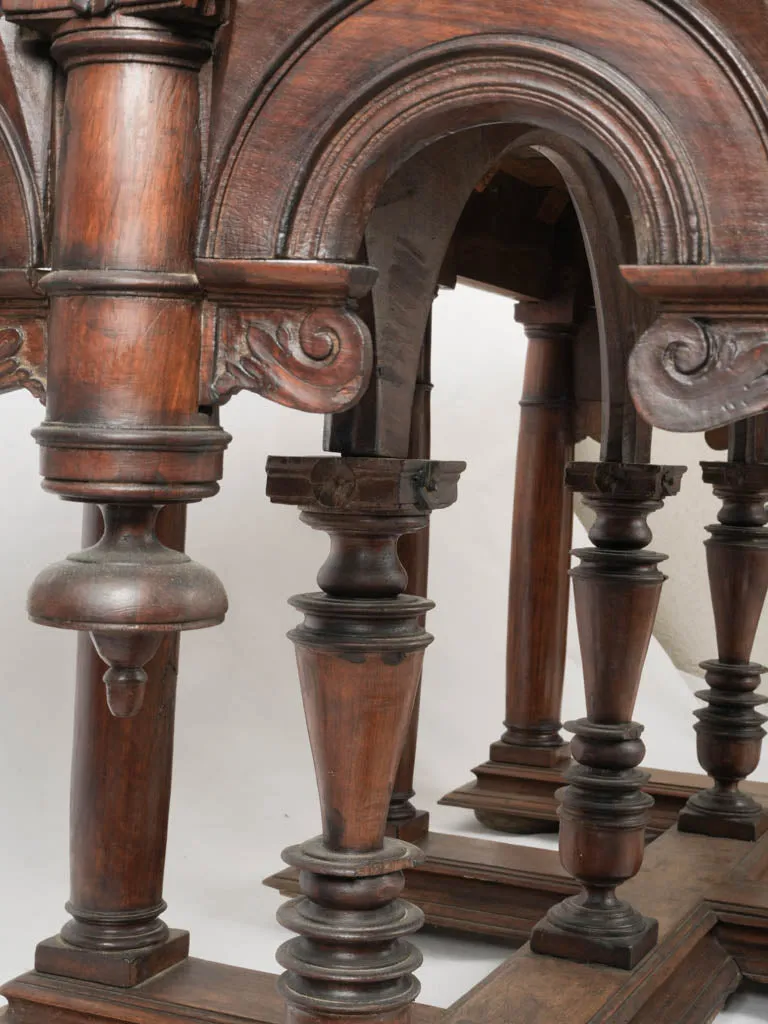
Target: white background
[(244, 786)]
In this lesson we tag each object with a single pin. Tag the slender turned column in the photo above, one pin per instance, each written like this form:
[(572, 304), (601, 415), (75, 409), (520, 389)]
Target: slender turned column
[(121, 776), (541, 541), (359, 652), (603, 811), (729, 731), (404, 821)]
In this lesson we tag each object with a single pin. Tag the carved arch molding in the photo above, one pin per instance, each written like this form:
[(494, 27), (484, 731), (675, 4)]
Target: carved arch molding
[(660, 96)]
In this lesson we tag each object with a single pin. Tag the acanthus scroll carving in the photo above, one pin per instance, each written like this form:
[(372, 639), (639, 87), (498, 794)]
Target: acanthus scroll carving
[(316, 360), (692, 373), (22, 349)]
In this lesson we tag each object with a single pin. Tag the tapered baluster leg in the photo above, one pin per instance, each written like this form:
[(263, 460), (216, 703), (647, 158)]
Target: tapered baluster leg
[(121, 787), (730, 729), (603, 810), (359, 651), (404, 821)]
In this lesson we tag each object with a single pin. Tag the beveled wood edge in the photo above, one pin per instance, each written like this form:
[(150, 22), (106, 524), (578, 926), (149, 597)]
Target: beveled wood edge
[(219, 994), (702, 282), (495, 790), (225, 995), (233, 278)]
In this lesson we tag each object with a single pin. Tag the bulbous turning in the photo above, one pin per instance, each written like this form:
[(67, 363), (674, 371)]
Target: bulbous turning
[(127, 591)]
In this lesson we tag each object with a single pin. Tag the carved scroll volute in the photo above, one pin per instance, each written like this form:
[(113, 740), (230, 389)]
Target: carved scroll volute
[(23, 352), (704, 362), (287, 330)]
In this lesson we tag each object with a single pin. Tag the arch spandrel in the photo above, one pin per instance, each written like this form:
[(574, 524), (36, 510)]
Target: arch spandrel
[(652, 89), (705, 100), (22, 308)]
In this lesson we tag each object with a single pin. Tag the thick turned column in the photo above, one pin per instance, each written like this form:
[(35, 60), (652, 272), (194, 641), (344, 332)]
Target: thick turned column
[(121, 776), (541, 541), (729, 731), (124, 430), (603, 811), (359, 652), (404, 821)]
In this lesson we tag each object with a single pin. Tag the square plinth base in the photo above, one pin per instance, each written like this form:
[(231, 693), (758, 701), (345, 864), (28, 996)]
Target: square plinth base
[(702, 824), (626, 954), (121, 970), (536, 757), (413, 830)]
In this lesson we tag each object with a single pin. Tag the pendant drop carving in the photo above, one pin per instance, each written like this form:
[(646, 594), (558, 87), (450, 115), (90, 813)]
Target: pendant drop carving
[(128, 591)]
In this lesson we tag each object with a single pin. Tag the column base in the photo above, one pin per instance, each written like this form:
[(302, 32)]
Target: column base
[(410, 830), (701, 822), (521, 799), (708, 895), (122, 969), (622, 951), (549, 756)]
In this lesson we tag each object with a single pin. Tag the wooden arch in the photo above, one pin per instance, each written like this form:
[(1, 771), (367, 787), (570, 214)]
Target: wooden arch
[(22, 240), (303, 171)]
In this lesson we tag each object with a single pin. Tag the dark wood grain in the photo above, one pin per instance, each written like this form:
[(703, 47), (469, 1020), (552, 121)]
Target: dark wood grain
[(603, 810), (115, 936), (200, 200), (729, 730), (360, 651)]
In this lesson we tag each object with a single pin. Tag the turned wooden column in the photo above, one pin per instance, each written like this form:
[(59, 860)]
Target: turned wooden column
[(121, 779), (541, 541), (524, 766), (124, 431), (729, 731), (603, 810), (404, 821), (359, 651)]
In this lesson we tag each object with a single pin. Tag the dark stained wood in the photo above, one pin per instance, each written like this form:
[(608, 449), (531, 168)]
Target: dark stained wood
[(194, 991), (597, 321), (603, 810), (483, 888), (404, 820), (672, 886), (128, 432), (360, 651), (538, 585), (519, 793), (729, 730), (200, 199), (115, 935)]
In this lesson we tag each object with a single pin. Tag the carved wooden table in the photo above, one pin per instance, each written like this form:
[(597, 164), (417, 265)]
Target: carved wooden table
[(201, 199)]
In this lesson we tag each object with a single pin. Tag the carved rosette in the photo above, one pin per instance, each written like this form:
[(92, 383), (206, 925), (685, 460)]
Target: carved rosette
[(287, 331), (704, 362)]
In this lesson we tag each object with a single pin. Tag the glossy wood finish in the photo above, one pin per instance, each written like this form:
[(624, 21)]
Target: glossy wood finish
[(603, 810), (704, 892), (200, 201), (730, 730), (538, 589), (115, 936), (360, 652), (404, 821), (128, 433)]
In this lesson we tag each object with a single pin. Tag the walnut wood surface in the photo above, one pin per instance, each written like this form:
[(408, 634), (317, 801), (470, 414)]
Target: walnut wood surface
[(198, 201)]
